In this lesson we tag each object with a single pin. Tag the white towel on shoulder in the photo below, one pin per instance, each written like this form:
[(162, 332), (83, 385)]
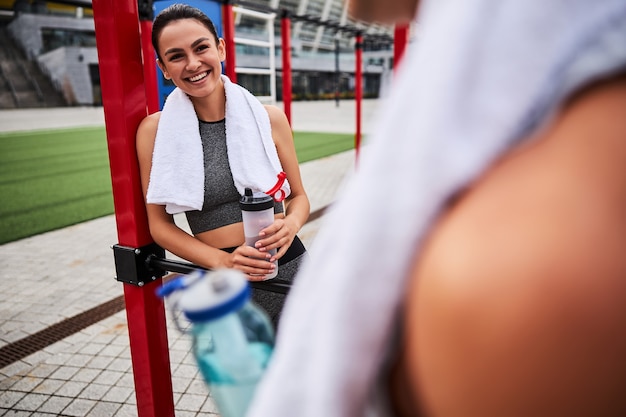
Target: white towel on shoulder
[(482, 75), (177, 175)]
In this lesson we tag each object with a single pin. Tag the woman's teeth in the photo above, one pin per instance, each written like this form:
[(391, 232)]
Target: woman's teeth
[(198, 77)]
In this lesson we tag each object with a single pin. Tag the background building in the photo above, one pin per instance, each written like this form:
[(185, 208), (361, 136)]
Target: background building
[(48, 51)]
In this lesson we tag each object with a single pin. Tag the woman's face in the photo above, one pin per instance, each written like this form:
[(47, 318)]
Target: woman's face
[(383, 11), (191, 57)]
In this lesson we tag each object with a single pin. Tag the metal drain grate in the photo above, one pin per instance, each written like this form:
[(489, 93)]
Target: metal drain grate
[(59, 331)]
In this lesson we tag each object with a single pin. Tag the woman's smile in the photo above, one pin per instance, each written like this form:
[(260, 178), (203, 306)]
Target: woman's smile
[(192, 57), (199, 77)]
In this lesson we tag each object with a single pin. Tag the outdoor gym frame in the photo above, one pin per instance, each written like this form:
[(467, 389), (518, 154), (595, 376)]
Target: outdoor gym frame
[(129, 93)]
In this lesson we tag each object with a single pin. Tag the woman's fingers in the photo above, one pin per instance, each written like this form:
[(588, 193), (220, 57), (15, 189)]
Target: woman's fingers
[(248, 252), (280, 239), (252, 262), (283, 249), (272, 228), (276, 243)]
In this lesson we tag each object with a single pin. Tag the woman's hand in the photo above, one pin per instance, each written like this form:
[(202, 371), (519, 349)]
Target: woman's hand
[(279, 236), (252, 262)]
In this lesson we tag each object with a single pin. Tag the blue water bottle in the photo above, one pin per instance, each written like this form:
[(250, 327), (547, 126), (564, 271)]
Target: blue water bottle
[(233, 339)]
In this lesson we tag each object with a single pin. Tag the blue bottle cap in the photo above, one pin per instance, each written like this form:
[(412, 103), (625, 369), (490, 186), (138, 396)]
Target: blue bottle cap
[(216, 294)]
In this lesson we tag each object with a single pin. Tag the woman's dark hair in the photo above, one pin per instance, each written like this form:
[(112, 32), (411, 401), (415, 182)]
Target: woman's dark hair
[(175, 12)]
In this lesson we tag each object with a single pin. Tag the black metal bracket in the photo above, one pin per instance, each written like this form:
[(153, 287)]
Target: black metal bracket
[(132, 266), (140, 266)]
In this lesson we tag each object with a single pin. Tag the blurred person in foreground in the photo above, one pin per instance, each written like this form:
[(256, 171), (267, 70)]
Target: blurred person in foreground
[(474, 265)]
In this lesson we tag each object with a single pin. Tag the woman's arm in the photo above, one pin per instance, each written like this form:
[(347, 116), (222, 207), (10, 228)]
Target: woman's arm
[(517, 302), (169, 236), (297, 207)]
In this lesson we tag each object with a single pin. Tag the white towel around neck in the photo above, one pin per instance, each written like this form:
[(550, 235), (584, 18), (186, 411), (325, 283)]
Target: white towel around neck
[(481, 75), (177, 175)]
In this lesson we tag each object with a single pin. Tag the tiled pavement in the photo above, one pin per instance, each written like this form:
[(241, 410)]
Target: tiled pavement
[(55, 277)]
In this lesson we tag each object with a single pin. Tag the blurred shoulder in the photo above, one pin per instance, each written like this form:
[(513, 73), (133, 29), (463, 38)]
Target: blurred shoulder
[(528, 263)]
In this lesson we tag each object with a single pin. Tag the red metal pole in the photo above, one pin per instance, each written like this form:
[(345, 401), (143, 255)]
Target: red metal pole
[(285, 32), (229, 38), (124, 102), (358, 93), (400, 39), (149, 66)]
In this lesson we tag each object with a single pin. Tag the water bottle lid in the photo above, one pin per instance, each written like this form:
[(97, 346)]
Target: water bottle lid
[(216, 294), (255, 201)]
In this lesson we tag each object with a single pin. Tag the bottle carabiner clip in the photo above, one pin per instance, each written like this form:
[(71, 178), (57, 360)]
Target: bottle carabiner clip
[(276, 192)]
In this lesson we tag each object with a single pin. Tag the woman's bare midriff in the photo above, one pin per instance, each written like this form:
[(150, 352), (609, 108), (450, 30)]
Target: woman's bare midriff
[(227, 236)]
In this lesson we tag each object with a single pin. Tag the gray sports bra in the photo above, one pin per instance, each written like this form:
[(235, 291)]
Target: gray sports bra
[(221, 198)]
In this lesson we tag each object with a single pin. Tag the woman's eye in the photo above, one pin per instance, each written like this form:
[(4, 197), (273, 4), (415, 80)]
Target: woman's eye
[(175, 57), (202, 48)]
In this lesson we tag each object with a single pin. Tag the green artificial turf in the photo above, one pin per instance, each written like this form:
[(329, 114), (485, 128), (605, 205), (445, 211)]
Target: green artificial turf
[(311, 145), (52, 179), (56, 178)]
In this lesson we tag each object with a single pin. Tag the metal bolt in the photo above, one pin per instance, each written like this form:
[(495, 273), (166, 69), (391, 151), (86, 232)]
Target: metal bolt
[(140, 283), (153, 278), (115, 277), (137, 251)]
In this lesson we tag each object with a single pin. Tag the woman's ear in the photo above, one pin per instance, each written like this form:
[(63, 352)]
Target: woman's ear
[(221, 49), (163, 70)]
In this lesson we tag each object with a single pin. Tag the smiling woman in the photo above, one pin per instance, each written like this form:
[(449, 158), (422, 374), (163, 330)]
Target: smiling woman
[(190, 54)]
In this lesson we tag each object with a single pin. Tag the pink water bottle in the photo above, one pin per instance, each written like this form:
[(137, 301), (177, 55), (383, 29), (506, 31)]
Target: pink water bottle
[(257, 210)]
